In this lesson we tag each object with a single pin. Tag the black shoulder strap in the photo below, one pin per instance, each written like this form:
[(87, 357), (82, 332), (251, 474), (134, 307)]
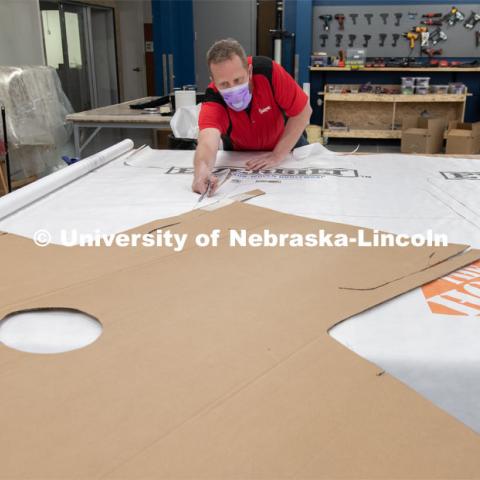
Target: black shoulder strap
[(263, 66)]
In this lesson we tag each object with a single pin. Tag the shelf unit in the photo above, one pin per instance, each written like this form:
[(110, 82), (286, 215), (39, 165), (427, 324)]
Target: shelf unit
[(395, 69), (371, 115)]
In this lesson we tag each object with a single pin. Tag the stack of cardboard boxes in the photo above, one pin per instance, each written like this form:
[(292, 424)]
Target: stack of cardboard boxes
[(463, 138), (426, 135)]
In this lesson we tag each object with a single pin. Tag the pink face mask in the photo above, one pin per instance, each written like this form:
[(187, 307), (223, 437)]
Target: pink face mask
[(237, 97)]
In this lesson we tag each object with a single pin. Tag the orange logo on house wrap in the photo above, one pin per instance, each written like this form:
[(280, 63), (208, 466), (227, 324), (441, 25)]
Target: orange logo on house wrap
[(456, 294)]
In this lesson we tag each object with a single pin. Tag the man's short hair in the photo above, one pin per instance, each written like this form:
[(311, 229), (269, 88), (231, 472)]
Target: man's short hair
[(223, 50)]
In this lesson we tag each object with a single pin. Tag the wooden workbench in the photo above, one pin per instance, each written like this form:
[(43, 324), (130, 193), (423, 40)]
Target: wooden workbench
[(321, 76), (395, 69), (382, 118)]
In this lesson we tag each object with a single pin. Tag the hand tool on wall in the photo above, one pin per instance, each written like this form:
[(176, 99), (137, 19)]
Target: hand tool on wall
[(432, 15), (477, 39), (431, 21), (438, 35), (424, 35), (398, 17), (382, 37), (384, 17), (324, 39), (354, 17), (339, 38), (412, 15), (326, 21), (454, 16), (368, 16), (395, 36), (366, 39), (431, 51), (340, 18), (473, 19), (351, 40), (411, 37)]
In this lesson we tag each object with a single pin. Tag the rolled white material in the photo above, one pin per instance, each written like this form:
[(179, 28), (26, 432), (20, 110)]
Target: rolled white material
[(185, 98), (306, 88), (277, 50), (30, 193)]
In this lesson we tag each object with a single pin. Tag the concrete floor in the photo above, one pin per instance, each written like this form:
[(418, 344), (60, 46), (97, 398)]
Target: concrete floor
[(366, 145), (108, 137)]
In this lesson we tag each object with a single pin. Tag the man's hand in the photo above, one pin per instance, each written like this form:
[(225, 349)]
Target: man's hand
[(200, 183), (265, 160), (204, 161)]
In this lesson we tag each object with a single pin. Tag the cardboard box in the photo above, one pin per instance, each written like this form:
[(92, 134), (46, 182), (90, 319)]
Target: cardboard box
[(463, 138), (422, 135), (216, 362)]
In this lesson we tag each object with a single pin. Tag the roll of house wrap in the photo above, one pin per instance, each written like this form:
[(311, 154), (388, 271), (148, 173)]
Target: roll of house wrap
[(18, 199), (185, 98)]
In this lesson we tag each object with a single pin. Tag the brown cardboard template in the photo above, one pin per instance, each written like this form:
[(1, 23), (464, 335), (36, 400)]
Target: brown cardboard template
[(216, 363)]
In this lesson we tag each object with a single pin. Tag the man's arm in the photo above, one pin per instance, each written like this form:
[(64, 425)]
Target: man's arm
[(293, 129), (204, 161)]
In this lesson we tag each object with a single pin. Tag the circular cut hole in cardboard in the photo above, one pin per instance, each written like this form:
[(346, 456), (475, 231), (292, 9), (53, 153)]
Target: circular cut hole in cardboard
[(49, 330)]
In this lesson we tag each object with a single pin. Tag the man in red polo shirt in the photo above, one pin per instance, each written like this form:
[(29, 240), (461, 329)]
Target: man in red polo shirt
[(251, 104)]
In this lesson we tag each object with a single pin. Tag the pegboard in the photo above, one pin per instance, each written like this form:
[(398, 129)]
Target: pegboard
[(460, 43)]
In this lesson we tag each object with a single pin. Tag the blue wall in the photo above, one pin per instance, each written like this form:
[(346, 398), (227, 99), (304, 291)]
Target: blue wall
[(298, 20), (173, 32)]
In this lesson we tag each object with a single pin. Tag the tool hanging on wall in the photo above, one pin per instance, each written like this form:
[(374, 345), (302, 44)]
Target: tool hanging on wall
[(351, 40), (423, 34), (354, 17), (412, 15), (472, 20), (323, 38), (412, 37), (384, 17), (339, 38), (431, 51), (398, 17), (340, 18), (366, 39), (438, 35), (477, 39), (432, 15), (368, 16), (395, 36), (382, 37), (424, 37), (431, 21), (326, 21), (454, 16)]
